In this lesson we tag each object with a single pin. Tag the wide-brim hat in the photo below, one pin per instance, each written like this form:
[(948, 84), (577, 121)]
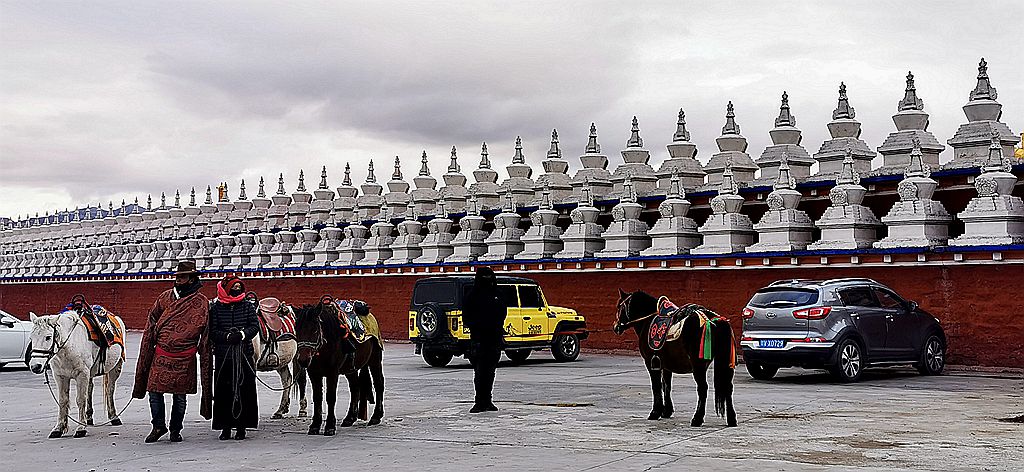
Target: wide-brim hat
[(186, 268), (270, 305)]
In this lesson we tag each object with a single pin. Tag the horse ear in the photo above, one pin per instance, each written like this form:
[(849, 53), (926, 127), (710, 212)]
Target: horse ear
[(32, 316), (621, 294)]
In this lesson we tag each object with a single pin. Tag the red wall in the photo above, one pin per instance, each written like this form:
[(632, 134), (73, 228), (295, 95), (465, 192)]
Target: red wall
[(977, 304)]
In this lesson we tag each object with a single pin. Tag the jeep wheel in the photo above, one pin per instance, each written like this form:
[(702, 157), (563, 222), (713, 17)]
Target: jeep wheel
[(430, 322), (849, 361), (566, 347), (760, 371), (933, 356), (436, 358), (517, 356)]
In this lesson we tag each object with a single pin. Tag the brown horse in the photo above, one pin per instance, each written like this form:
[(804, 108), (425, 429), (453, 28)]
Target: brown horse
[(681, 356), (320, 334)]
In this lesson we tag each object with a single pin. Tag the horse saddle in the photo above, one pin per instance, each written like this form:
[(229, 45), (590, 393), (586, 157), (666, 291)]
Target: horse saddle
[(275, 324), (351, 320), (667, 324)]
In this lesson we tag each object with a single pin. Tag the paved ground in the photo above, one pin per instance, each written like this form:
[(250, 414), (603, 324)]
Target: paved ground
[(587, 415)]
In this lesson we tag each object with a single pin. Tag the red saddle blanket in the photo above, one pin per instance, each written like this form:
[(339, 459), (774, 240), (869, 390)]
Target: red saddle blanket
[(661, 323), (273, 327)]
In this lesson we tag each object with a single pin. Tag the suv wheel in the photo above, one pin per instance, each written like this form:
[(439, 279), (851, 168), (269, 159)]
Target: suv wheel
[(565, 347), (933, 356), (436, 358), (849, 361), (28, 354), (761, 371), (430, 321), (517, 356)]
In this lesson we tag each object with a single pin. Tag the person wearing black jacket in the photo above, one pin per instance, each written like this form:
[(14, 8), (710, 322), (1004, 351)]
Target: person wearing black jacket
[(233, 325), (484, 314)]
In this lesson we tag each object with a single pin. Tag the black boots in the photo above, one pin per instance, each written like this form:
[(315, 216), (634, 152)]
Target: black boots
[(175, 436), (156, 434), (480, 408), (226, 434)]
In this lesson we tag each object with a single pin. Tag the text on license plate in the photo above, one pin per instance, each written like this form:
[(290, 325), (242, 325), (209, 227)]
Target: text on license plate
[(771, 343)]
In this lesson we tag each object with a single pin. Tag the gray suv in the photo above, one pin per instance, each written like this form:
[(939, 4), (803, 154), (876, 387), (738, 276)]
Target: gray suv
[(842, 325)]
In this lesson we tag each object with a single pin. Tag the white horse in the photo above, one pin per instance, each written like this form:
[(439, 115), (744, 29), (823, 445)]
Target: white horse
[(62, 343), (280, 356)]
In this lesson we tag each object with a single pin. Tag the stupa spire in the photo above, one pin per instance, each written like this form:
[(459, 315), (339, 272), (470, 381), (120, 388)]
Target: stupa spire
[(302, 182), (984, 90), (163, 200), (635, 141), (485, 163), (347, 181), (916, 167), (910, 100), (848, 175), (843, 109), (177, 198), (424, 170), (730, 121), (681, 135), (261, 193), (370, 178), (592, 146), (241, 191), (280, 184), (518, 158), (545, 197), (554, 152), (453, 166), (397, 175), (785, 118), (149, 202), (323, 179)]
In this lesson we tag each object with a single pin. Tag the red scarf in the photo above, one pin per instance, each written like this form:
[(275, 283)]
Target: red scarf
[(222, 293)]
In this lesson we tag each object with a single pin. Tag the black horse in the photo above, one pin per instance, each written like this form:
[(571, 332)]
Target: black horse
[(681, 356), (320, 334)]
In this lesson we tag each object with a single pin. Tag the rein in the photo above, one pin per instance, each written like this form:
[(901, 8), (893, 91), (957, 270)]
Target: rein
[(55, 346), (624, 305)]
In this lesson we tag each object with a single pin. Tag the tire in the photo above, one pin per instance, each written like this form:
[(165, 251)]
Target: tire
[(849, 363), (565, 347), (517, 356), (431, 322), (28, 354), (436, 358), (760, 371), (933, 356)]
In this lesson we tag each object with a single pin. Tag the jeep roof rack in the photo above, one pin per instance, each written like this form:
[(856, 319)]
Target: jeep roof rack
[(849, 279)]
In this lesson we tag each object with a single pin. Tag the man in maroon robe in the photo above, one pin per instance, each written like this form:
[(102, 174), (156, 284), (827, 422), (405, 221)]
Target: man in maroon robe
[(176, 333)]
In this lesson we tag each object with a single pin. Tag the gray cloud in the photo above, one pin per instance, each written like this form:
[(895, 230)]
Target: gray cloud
[(105, 101)]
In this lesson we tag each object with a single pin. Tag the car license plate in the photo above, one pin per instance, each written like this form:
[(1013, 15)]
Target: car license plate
[(770, 343)]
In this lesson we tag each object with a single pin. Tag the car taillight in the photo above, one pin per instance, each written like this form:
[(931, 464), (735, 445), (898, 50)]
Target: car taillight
[(412, 324), (808, 340), (748, 313), (815, 313)]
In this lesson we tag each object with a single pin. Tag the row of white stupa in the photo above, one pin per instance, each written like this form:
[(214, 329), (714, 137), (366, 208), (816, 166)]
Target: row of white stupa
[(258, 233)]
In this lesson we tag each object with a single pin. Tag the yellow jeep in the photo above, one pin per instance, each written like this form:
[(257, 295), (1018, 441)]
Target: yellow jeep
[(436, 327)]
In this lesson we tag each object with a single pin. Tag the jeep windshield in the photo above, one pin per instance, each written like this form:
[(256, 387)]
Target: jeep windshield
[(783, 297)]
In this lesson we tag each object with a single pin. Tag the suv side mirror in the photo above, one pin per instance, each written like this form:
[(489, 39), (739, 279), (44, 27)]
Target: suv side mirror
[(912, 306)]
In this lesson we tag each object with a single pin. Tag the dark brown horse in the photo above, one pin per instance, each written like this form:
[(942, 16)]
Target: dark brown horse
[(320, 334), (681, 356)]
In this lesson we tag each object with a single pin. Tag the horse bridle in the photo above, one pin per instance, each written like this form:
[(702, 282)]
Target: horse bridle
[(622, 307), (321, 341), (55, 347)]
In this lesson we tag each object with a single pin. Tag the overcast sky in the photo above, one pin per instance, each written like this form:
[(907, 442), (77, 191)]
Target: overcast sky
[(111, 100)]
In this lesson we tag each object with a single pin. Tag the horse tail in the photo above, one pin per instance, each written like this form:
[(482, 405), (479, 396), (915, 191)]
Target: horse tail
[(365, 385), (725, 364), (298, 378)]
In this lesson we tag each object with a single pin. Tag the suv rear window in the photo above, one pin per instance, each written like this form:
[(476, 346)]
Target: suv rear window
[(441, 292), (780, 297)]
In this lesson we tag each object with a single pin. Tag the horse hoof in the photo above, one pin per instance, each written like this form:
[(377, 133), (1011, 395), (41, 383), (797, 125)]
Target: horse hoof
[(654, 415), (303, 414), (80, 433), (115, 422), (56, 434), (88, 422), (277, 416), (696, 423), (329, 432), (373, 421), (313, 431), (667, 414), (347, 423), (732, 423)]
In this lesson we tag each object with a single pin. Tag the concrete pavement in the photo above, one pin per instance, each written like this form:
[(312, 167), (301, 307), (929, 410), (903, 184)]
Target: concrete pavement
[(586, 415)]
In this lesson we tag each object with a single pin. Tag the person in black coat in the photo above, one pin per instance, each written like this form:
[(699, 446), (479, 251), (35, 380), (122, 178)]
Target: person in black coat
[(233, 325), (484, 314)]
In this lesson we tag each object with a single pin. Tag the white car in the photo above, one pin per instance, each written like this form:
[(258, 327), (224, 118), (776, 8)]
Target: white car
[(14, 339)]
